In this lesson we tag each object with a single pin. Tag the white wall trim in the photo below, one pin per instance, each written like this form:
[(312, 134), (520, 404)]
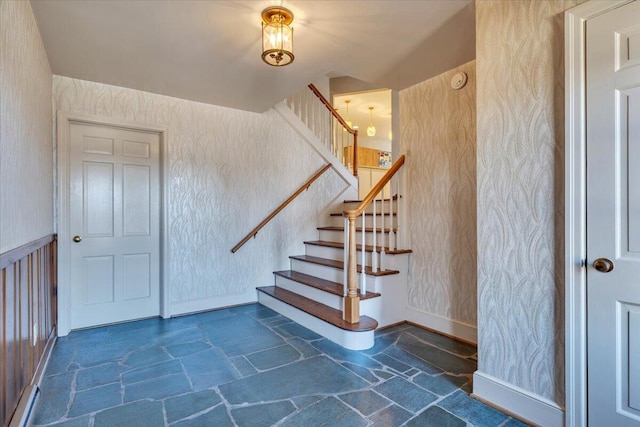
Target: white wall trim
[(303, 130), (451, 327), (64, 237), (213, 303), (575, 207), (517, 401)]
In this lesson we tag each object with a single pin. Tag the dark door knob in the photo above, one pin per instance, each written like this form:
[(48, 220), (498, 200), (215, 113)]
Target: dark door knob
[(603, 265)]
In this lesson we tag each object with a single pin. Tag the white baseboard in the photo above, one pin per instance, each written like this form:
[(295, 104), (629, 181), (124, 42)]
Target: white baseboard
[(204, 304), (453, 328), (515, 400)]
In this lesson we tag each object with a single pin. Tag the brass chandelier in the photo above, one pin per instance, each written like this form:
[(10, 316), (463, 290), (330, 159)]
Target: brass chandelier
[(277, 36)]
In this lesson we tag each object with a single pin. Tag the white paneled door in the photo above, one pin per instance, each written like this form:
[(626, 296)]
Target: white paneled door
[(613, 217), (114, 224)]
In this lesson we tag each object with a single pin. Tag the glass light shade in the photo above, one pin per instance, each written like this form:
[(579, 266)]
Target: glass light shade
[(371, 130), (390, 135), (277, 36)]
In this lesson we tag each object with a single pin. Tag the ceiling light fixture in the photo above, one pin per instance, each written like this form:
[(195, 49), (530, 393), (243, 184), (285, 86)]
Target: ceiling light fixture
[(371, 130), (390, 135), (277, 36), (347, 101)]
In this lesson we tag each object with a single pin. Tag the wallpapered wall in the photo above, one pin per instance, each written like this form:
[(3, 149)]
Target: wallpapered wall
[(439, 132), (520, 193), (228, 169), (26, 166)]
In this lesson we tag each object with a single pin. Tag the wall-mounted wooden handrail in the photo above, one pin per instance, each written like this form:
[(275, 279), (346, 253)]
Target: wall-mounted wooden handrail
[(375, 190), (344, 124), (304, 186)]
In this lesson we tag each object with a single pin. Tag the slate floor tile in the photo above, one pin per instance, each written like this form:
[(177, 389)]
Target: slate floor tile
[(410, 359), (240, 335), (439, 358), (366, 402), (405, 394), (362, 372), (435, 416), (392, 363), (183, 406), (341, 353), (391, 416), (185, 349), (198, 370), (440, 384), (296, 330), (303, 347), (146, 357), (217, 417), (74, 422), (326, 412), (150, 372), (476, 412), (98, 375), (209, 368), (274, 357), (157, 388), (53, 398), (318, 375), (143, 413), (515, 423), (458, 347), (262, 415), (243, 366), (85, 402)]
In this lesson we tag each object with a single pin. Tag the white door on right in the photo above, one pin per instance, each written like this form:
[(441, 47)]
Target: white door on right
[(613, 217)]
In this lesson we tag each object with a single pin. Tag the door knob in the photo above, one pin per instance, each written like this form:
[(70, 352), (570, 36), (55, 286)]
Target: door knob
[(603, 265), (77, 238)]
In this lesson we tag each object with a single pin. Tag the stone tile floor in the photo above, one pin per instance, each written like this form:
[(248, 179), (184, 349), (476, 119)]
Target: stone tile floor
[(249, 366)]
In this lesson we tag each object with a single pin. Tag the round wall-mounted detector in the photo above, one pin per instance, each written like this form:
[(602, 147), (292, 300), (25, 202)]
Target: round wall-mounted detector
[(458, 81)]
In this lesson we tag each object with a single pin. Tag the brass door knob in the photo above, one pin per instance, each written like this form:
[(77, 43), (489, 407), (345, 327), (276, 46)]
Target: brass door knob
[(603, 265), (77, 238)]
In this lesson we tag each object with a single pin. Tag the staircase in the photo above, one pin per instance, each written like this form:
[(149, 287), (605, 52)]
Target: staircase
[(312, 292)]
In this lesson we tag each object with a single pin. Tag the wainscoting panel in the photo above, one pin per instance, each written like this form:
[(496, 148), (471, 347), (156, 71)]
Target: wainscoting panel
[(27, 317)]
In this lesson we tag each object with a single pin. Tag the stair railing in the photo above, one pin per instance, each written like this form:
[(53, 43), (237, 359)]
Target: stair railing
[(351, 297), (284, 204), (325, 122)]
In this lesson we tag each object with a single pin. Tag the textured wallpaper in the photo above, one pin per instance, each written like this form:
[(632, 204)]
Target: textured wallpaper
[(520, 193), (439, 133), (228, 169), (26, 150)]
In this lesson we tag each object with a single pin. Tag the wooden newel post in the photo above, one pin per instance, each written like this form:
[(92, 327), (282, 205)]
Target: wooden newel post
[(352, 300)]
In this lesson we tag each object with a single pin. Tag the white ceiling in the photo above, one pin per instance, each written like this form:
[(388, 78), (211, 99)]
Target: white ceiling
[(209, 51)]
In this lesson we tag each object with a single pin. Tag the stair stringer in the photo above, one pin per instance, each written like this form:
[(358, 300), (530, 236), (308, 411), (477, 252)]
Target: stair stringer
[(303, 130)]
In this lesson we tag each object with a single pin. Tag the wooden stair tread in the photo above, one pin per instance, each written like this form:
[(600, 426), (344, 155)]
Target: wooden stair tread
[(366, 214), (321, 311), (367, 248), (321, 284), (358, 229), (386, 199), (340, 265)]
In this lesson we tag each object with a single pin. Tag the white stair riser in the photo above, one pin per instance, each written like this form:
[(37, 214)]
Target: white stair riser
[(339, 221), (338, 236), (347, 339), (321, 271), (373, 283), (337, 253), (331, 300)]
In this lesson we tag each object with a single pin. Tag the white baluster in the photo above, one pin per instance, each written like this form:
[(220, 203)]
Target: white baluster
[(346, 256), (382, 233), (374, 254), (363, 277)]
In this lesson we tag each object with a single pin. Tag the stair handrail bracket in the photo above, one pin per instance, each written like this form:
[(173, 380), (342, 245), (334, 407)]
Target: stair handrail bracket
[(352, 299), (283, 205)]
